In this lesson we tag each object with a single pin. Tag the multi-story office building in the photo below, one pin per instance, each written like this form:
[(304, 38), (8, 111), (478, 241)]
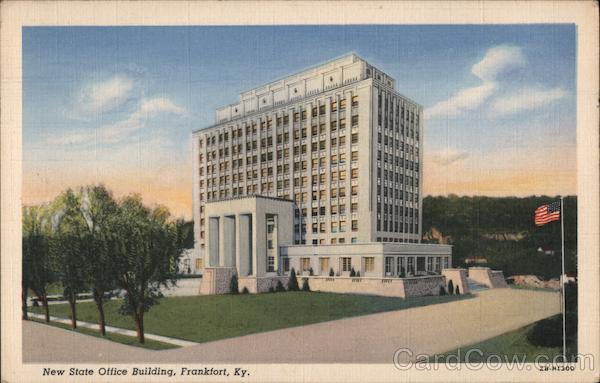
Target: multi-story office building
[(337, 139), (320, 171)]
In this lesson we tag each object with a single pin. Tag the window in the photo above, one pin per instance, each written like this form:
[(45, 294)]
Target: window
[(334, 106), (333, 241), (388, 264), (354, 100), (354, 138), (199, 263), (324, 265), (346, 263), (343, 104), (369, 263), (353, 240), (354, 225), (334, 227), (354, 175), (322, 109), (286, 264), (305, 264), (354, 189)]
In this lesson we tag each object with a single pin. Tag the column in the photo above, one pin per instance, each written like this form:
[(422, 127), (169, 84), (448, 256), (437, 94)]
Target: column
[(244, 244), (213, 242), (229, 241)]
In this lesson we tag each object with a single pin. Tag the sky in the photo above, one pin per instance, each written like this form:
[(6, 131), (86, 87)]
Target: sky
[(117, 105)]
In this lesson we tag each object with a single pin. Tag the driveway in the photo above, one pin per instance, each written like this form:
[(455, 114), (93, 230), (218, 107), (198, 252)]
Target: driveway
[(366, 339)]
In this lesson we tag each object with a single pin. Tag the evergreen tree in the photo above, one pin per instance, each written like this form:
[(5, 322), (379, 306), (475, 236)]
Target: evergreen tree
[(305, 286), (293, 281), (331, 273), (450, 288), (233, 284)]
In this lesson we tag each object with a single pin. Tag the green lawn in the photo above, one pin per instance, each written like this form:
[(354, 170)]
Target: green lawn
[(511, 344), (119, 338), (207, 318)]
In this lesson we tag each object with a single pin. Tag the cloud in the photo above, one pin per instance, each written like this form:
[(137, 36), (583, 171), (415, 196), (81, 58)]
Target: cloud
[(449, 156), (115, 132), (463, 100), (496, 61), (525, 99), (105, 95)]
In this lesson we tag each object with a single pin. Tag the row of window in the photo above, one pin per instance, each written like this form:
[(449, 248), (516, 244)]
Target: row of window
[(252, 127)]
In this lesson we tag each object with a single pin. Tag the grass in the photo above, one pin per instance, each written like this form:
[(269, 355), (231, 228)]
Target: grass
[(119, 338), (208, 318), (512, 345)]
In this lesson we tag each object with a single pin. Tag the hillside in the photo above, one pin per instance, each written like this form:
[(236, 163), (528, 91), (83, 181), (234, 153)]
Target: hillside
[(502, 230)]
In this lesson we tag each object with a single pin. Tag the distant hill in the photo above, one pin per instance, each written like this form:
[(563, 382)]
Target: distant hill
[(502, 231)]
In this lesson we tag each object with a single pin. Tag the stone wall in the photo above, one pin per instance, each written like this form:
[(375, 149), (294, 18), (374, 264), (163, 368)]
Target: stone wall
[(216, 280), (497, 278), (261, 284), (420, 286), (388, 287), (458, 278)]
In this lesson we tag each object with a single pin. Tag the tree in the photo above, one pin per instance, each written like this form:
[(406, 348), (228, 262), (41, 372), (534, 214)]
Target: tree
[(279, 288), (457, 291), (38, 265), (305, 286), (67, 244), (144, 249), (233, 284), (331, 273), (293, 281), (450, 288), (442, 290), (352, 272), (98, 208)]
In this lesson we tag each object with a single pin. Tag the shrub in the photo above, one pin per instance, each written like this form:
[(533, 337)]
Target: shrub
[(293, 281), (450, 288), (233, 285), (358, 274), (271, 289), (457, 291), (352, 272), (311, 271), (331, 273), (305, 286), (546, 333), (245, 290), (279, 288), (442, 290)]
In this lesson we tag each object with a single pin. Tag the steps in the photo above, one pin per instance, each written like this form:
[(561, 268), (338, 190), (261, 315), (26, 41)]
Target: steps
[(475, 286)]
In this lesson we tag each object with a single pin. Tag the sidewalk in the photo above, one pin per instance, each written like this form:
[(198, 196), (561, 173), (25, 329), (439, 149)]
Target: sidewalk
[(116, 330)]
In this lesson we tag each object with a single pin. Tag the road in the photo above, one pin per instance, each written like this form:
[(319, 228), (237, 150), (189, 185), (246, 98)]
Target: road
[(367, 339)]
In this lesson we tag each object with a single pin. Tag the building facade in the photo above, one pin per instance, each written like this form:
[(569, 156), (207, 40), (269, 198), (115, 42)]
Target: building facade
[(337, 139)]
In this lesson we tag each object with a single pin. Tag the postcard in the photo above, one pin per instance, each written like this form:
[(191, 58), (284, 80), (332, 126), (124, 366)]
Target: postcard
[(299, 191)]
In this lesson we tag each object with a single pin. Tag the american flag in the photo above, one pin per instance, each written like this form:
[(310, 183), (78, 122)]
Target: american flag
[(547, 213)]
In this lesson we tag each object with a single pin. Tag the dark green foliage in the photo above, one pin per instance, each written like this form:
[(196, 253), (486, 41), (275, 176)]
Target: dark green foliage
[(293, 281), (186, 229), (358, 274), (245, 290), (279, 288), (271, 289), (233, 285), (470, 221), (305, 286), (352, 272), (311, 271), (450, 287), (457, 290), (331, 273), (548, 332), (38, 266), (442, 290)]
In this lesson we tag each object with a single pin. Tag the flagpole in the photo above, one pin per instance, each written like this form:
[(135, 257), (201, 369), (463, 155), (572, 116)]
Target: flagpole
[(562, 280)]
